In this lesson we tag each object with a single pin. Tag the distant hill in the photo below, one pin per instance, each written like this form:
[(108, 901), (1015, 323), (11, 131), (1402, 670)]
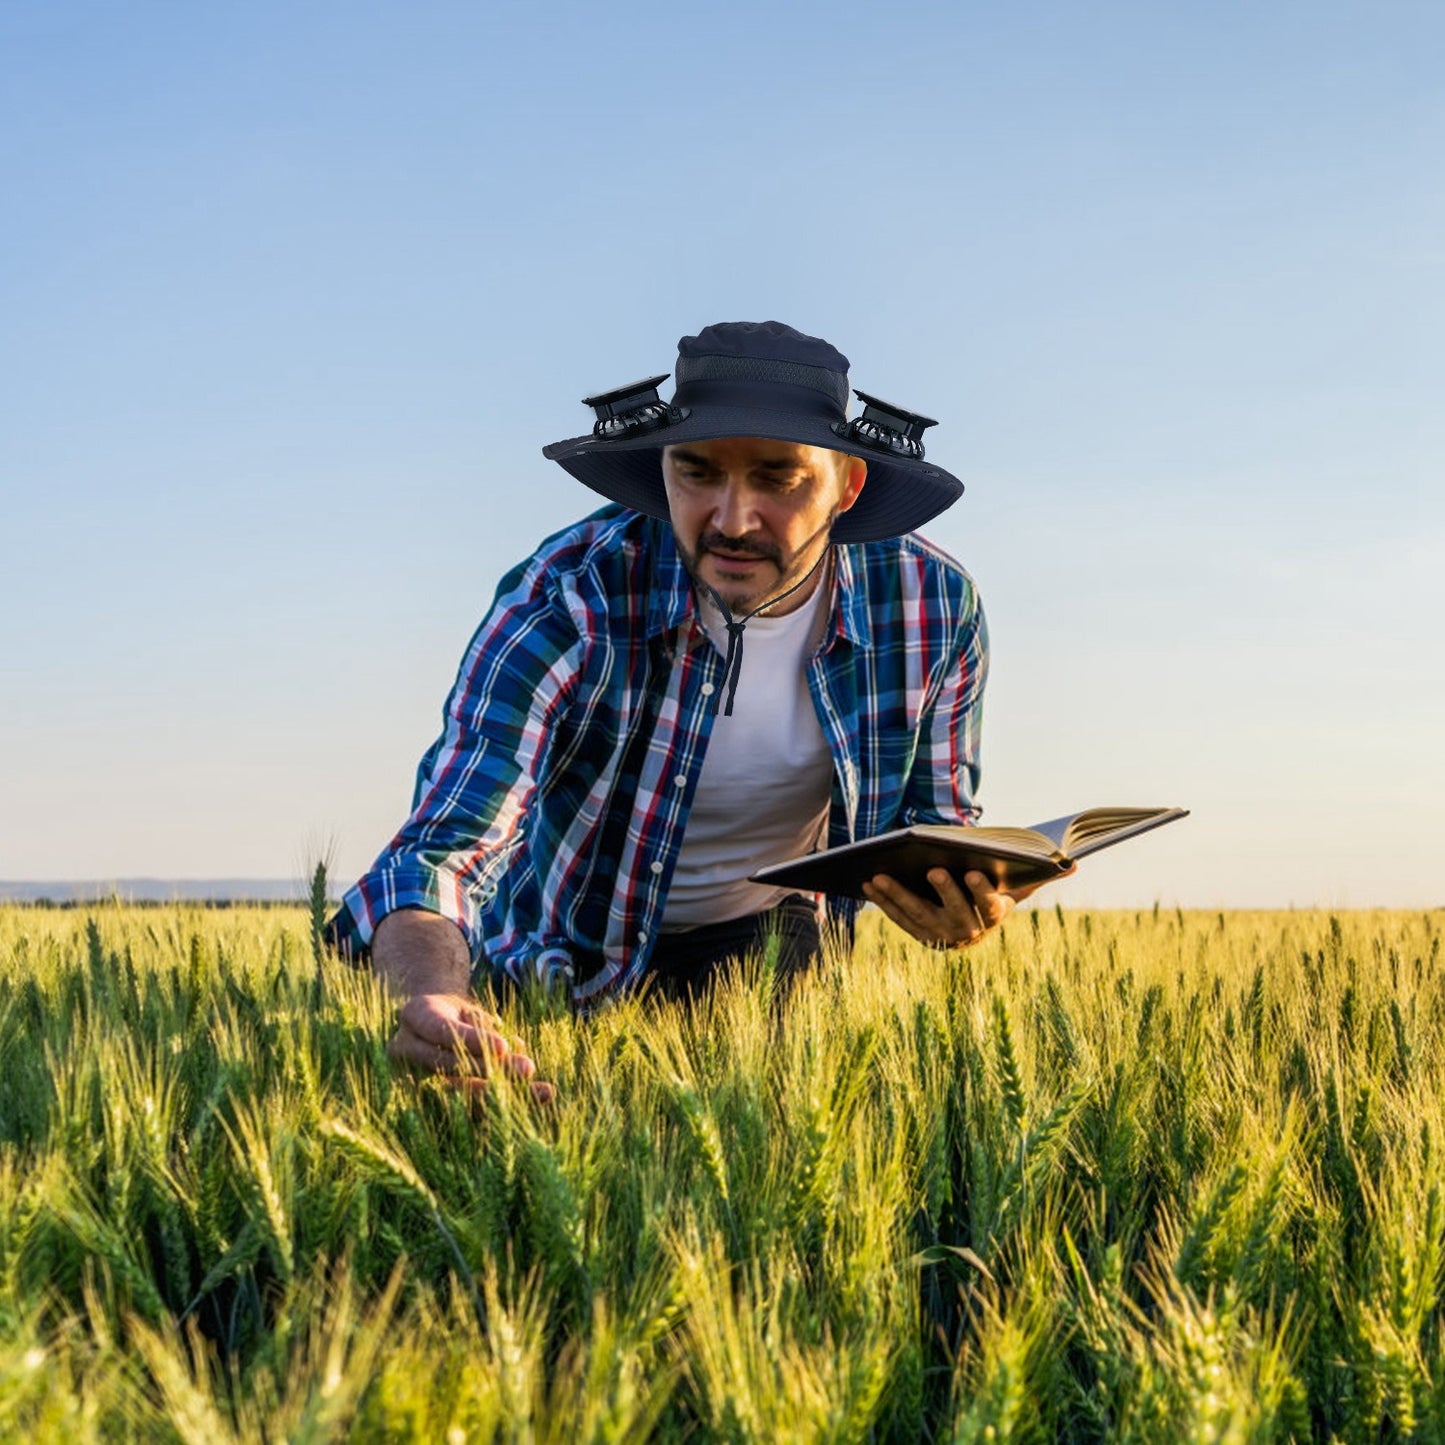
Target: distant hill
[(156, 890)]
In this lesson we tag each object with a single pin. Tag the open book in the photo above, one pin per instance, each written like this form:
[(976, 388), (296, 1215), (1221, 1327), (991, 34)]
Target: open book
[(1011, 857)]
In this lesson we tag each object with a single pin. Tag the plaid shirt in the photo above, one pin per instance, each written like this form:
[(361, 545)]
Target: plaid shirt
[(549, 814)]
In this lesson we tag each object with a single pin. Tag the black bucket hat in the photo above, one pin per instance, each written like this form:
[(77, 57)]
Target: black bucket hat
[(763, 379)]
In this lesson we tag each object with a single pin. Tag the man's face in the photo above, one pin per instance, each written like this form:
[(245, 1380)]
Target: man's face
[(751, 516)]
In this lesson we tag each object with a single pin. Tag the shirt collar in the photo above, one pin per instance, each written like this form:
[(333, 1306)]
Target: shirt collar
[(851, 604), (670, 603)]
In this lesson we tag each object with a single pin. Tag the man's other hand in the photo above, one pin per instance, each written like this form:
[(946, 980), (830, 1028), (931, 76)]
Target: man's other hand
[(459, 1040), (441, 1030), (958, 917)]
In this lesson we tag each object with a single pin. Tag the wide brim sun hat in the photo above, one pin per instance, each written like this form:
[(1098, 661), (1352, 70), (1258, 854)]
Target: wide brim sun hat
[(760, 379)]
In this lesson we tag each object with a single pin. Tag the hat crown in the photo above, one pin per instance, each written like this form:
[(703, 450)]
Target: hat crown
[(763, 341), (763, 364)]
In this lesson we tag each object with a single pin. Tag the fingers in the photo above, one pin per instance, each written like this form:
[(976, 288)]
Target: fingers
[(990, 904), (427, 1057), (905, 909), (959, 918), (953, 899), (437, 1018), (456, 1039), (946, 924)]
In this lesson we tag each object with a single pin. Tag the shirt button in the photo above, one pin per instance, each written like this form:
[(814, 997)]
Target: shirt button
[(657, 867), (707, 689), (642, 936), (680, 781)]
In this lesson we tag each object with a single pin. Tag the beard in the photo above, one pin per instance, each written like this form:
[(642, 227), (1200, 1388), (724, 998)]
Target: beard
[(776, 574)]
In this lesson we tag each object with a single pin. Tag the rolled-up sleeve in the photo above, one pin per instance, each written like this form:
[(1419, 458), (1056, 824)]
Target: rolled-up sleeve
[(475, 783)]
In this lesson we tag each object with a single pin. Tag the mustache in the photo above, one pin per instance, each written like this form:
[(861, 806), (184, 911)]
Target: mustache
[(737, 547)]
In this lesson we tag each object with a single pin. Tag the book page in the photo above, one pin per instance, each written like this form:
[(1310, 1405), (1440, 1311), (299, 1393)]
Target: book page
[(1096, 828), (1030, 841), (1057, 829)]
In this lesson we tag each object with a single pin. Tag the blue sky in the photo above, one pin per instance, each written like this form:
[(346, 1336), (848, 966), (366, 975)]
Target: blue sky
[(293, 296)]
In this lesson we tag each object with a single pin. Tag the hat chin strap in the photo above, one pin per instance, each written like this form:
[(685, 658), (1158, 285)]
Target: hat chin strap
[(733, 664)]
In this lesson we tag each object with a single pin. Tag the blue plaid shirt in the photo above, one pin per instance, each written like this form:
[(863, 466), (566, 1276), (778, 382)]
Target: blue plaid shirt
[(549, 814)]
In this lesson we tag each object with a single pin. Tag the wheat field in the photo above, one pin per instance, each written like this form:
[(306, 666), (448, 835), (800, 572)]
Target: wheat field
[(1150, 1176)]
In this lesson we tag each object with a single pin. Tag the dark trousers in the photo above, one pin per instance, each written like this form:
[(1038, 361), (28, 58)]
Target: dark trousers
[(684, 964)]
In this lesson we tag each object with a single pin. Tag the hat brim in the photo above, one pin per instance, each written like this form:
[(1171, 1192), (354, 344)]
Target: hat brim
[(900, 495)]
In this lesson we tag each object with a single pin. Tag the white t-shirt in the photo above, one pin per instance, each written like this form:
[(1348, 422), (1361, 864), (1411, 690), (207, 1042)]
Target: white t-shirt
[(767, 776)]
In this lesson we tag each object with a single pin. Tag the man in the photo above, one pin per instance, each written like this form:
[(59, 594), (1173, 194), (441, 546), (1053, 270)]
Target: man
[(746, 656)]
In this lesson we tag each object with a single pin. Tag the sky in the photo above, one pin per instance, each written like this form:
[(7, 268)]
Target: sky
[(292, 296)]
